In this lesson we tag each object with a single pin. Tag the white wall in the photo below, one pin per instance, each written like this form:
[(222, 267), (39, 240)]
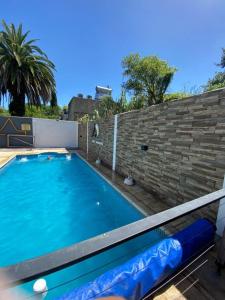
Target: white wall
[(52, 133)]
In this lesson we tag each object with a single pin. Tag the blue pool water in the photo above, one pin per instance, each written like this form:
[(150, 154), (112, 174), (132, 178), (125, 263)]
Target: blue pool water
[(49, 204)]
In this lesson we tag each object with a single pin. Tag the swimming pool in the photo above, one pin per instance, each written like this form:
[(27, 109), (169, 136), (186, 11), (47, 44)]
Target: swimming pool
[(47, 204)]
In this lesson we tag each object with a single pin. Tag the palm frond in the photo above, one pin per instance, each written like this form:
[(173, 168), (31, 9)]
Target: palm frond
[(25, 70)]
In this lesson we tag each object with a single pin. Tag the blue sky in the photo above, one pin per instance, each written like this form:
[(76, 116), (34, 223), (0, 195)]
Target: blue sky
[(87, 39)]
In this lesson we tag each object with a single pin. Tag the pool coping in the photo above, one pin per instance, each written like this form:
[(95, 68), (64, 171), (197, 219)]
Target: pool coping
[(5, 162)]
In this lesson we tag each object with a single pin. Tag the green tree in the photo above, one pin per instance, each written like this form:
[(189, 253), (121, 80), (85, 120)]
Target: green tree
[(43, 111), (218, 80), (26, 73), (148, 76), (53, 101), (107, 107), (4, 112), (222, 60), (137, 102), (121, 105), (176, 96)]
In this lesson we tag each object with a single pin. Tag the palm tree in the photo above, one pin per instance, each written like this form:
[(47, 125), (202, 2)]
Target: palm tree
[(53, 101), (26, 73)]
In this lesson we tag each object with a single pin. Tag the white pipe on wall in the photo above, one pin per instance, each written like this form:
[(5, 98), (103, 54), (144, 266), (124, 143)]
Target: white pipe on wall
[(87, 137), (220, 222), (114, 142)]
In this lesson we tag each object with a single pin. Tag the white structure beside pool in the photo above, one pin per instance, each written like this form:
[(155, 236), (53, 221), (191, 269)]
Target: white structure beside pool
[(55, 133)]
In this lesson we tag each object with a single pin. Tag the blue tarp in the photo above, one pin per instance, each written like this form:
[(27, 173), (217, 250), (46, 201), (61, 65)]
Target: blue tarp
[(134, 278), (195, 238)]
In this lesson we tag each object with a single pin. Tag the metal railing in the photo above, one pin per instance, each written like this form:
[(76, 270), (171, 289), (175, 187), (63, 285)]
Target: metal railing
[(58, 260)]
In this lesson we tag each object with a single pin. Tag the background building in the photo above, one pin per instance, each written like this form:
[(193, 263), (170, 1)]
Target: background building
[(102, 91), (80, 105)]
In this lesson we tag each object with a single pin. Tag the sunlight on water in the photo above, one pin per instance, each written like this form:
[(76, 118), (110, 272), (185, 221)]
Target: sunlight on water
[(23, 159)]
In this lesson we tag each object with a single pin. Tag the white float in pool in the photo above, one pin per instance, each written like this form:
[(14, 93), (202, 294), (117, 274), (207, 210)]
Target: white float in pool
[(40, 288), (68, 157)]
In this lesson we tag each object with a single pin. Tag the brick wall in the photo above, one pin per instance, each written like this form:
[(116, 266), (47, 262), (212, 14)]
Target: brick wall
[(186, 146)]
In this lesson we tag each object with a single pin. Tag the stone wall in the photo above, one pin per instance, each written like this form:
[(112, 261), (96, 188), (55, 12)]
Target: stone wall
[(186, 146), (105, 151)]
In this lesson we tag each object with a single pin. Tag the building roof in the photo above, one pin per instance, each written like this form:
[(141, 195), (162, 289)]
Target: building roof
[(103, 89)]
